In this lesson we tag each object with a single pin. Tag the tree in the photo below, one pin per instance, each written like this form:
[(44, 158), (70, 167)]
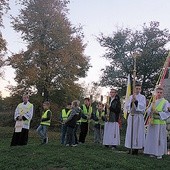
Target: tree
[(54, 57), (3, 8), (150, 41), (92, 90)]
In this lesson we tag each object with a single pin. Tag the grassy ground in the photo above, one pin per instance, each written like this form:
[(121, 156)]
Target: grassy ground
[(54, 156)]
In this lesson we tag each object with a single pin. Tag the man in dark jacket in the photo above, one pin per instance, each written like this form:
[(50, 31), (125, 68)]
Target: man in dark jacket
[(111, 128)]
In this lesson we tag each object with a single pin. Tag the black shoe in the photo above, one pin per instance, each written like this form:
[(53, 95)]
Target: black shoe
[(133, 152), (45, 141), (129, 152), (136, 151)]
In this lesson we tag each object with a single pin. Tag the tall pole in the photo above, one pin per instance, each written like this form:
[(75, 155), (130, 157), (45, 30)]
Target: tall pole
[(133, 104), (89, 121)]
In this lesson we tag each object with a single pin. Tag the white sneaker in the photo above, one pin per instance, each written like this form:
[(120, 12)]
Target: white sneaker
[(151, 156), (113, 147), (67, 145), (159, 157), (74, 145), (46, 140)]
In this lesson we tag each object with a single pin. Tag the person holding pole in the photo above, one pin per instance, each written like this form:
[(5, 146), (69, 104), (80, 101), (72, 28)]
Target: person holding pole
[(111, 127), (156, 137), (135, 136), (99, 119)]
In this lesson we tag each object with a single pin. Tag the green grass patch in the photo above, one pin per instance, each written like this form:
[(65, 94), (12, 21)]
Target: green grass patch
[(55, 156)]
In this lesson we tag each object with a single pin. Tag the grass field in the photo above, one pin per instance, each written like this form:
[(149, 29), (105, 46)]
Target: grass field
[(54, 156)]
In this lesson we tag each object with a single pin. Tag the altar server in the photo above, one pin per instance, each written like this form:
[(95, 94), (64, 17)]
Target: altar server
[(156, 138), (138, 121)]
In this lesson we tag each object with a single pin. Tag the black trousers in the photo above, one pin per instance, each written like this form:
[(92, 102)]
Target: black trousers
[(134, 151), (20, 138), (83, 131)]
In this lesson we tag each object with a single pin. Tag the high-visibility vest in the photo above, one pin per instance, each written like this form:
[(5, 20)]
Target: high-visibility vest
[(159, 108), (23, 110), (44, 115), (65, 114), (99, 117), (86, 112)]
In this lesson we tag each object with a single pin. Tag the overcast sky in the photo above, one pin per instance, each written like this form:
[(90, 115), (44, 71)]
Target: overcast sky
[(96, 16)]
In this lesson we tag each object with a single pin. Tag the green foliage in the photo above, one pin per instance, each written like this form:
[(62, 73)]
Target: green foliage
[(55, 156), (9, 104), (54, 58), (3, 9), (150, 41), (6, 119)]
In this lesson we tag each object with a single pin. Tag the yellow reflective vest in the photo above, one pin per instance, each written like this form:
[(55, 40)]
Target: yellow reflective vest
[(44, 115), (65, 114), (159, 108), (100, 121), (86, 112)]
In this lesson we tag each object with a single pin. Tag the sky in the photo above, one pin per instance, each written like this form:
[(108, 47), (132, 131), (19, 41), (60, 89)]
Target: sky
[(96, 17)]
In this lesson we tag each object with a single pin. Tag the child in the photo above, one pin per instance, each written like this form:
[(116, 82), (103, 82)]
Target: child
[(156, 137), (99, 118), (63, 117), (71, 123), (45, 122), (85, 119)]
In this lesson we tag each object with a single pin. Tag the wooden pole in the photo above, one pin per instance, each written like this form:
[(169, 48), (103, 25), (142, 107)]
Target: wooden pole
[(133, 104), (89, 121)]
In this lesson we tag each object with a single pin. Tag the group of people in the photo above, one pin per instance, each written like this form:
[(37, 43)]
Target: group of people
[(105, 120), (106, 123), (154, 142)]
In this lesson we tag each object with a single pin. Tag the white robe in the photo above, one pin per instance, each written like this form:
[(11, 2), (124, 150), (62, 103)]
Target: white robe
[(27, 113), (138, 124), (111, 133), (156, 137)]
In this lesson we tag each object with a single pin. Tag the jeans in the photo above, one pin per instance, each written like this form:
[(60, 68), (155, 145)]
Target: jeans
[(98, 135), (42, 131), (63, 133)]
